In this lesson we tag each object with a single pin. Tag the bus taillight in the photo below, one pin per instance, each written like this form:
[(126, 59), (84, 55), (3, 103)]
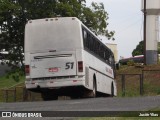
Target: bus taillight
[(80, 66), (27, 69)]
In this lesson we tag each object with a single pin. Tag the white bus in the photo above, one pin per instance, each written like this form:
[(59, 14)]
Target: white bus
[(63, 57)]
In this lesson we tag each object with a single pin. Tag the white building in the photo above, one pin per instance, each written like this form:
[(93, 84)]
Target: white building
[(113, 47)]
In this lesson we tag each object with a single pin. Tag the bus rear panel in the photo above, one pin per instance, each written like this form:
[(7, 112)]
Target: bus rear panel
[(50, 54)]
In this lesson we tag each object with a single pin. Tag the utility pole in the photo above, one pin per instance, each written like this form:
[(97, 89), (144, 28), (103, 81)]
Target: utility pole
[(144, 32)]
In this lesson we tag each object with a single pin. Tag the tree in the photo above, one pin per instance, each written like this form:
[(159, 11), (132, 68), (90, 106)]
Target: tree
[(12, 31), (138, 50), (95, 18), (15, 13)]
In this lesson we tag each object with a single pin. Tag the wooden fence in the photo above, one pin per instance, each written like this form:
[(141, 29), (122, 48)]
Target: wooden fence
[(17, 94), (123, 81), (21, 94), (142, 78)]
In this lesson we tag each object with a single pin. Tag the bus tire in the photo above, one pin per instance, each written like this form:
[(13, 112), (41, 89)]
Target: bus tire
[(112, 90), (94, 91)]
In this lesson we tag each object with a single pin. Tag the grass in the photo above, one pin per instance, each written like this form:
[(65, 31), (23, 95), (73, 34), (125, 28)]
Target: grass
[(155, 109), (15, 81), (132, 87), (8, 81), (152, 82)]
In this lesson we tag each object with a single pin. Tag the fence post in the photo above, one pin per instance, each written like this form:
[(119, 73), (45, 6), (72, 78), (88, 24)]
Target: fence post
[(141, 83), (6, 95), (123, 85), (25, 94), (14, 94)]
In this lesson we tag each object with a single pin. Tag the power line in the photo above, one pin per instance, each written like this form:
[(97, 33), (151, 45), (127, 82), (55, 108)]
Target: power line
[(129, 26), (127, 18)]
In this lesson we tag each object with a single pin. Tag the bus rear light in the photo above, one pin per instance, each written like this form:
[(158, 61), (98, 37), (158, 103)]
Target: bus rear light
[(27, 69), (80, 66), (74, 80), (52, 50)]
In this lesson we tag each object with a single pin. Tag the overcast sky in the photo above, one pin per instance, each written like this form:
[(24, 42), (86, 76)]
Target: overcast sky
[(126, 19)]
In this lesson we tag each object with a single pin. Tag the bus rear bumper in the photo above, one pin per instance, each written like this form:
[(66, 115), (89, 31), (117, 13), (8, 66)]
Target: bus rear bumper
[(53, 84)]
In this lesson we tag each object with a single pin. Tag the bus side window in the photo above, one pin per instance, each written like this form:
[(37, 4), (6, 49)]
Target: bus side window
[(107, 56), (97, 48), (91, 43), (88, 40), (84, 38), (102, 52), (94, 45), (112, 60)]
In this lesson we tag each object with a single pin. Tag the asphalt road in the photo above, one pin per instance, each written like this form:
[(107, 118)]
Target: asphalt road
[(90, 104), (94, 105)]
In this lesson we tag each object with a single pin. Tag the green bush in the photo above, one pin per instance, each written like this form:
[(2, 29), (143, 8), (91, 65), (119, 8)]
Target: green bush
[(130, 63)]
